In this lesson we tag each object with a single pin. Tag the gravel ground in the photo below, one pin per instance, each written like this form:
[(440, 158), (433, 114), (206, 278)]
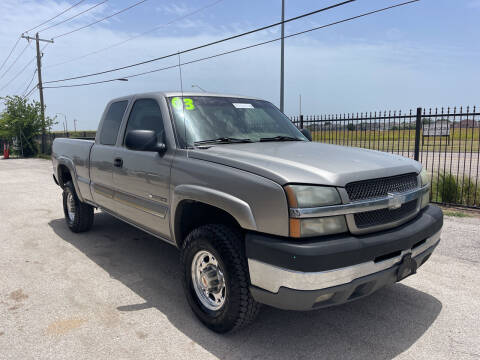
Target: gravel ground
[(114, 293)]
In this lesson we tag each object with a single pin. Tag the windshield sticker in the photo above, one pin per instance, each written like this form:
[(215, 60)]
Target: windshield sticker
[(187, 102), (242, 105)]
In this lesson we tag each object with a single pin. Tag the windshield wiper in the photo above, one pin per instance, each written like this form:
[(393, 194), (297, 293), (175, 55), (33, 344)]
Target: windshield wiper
[(280, 138), (223, 140)]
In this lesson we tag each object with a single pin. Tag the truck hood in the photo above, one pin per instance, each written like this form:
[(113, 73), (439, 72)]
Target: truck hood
[(307, 162)]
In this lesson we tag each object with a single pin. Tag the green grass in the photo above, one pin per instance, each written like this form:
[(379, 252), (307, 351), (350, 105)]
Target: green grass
[(459, 214), (461, 140), (44, 156)]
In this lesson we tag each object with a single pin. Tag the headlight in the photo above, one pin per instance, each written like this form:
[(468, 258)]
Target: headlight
[(425, 177), (425, 181), (307, 196), (320, 226)]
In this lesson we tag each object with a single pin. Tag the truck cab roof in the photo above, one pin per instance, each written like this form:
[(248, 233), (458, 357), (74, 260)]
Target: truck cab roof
[(180, 93)]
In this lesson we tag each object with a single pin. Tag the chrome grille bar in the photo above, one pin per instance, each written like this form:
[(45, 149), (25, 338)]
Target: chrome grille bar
[(392, 201)]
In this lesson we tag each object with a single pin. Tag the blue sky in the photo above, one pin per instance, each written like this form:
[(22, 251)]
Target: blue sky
[(424, 54)]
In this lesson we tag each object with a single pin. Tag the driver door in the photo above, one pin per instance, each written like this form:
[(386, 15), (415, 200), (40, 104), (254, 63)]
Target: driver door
[(142, 178)]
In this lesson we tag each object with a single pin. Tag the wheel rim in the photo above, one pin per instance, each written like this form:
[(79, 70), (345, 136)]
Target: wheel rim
[(208, 280), (71, 206)]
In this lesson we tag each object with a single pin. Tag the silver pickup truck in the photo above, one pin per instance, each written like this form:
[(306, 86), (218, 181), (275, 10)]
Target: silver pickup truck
[(259, 212)]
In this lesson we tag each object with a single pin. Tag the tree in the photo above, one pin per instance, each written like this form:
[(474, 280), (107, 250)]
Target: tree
[(21, 120), (351, 127)]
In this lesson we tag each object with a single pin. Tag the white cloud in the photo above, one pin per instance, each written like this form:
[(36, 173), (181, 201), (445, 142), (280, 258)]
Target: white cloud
[(175, 8)]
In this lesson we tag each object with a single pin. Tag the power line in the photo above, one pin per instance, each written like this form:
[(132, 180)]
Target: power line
[(30, 92), (96, 22), (10, 53), (18, 74), (29, 83), (15, 61), (63, 12), (138, 35), (74, 16), (22, 70), (34, 73), (242, 48), (204, 45)]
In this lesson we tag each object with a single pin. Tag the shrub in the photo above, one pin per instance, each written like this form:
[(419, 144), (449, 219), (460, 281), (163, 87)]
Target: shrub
[(470, 194), (448, 189)]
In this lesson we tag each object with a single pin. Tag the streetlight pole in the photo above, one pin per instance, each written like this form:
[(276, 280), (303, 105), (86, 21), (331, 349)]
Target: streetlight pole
[(282, 61), (65, 123), (300, 104), (75, 124)]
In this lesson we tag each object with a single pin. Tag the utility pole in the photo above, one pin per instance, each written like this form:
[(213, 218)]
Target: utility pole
[(40, 86), (75, 124), (282, 62)]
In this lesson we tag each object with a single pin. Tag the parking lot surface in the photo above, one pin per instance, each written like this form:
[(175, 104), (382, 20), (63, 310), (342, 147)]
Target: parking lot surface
[(115, 293)]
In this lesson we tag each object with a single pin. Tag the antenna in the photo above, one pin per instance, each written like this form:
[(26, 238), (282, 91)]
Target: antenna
[(183, 105)]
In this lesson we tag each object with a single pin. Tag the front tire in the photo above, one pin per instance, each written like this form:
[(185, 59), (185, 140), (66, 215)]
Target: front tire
[(78, 215), (215, 278)]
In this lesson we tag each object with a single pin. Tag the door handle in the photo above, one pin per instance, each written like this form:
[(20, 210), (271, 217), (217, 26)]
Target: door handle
[(118, 162)]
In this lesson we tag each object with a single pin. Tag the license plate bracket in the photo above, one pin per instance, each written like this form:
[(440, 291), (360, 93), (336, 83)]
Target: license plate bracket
[(407, 267)]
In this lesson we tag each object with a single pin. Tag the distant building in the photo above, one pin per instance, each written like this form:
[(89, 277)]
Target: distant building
[(466, 124)]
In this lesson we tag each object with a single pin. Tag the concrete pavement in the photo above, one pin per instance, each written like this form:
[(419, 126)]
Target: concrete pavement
[(115, 293)]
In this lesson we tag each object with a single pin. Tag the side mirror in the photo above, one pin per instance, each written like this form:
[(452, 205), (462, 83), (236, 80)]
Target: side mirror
[(306, 133), (143, 140)]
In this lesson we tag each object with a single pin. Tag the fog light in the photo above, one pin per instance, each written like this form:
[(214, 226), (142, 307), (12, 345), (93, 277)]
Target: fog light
[(323, 226), (323, 297), (425, 199)]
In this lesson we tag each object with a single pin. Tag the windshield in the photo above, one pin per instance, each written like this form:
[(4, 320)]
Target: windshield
[(228, 119)]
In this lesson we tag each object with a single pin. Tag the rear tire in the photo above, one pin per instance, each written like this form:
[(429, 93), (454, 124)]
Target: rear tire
[(219, 251), (78, 215)]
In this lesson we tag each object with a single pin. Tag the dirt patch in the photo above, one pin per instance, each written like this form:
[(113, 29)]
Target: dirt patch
[(61, 327), (18, 295), (141, 334)]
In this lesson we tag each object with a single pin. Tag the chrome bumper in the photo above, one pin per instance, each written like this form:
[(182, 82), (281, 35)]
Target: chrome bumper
[(271, 278)]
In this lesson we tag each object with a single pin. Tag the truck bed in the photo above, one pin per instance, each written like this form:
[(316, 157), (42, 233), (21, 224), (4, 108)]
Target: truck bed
[(75, 154)]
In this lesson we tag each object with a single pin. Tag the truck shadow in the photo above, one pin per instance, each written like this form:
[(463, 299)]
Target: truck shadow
[(378, 327)]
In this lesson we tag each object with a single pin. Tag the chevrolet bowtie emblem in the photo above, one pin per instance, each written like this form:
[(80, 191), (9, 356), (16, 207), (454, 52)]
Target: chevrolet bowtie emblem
[(395, 201)]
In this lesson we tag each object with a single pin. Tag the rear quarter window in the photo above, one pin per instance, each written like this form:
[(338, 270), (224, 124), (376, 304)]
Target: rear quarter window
[(111, 123)]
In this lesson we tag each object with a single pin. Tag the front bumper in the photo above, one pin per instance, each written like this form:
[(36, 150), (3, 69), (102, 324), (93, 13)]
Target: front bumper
[(304, 275)]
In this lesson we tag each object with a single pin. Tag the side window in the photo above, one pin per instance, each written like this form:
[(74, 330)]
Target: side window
[(111, 124), (146, 115)]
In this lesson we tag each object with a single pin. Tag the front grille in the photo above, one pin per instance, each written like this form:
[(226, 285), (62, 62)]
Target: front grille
[(369, 189), (384, 216)]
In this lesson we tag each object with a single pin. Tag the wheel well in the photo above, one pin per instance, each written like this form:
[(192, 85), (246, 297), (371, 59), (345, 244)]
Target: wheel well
[(63, 175), (192, 214)]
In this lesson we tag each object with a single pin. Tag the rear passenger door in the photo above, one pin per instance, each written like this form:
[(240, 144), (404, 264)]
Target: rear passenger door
[(103, 153), (143, 179)]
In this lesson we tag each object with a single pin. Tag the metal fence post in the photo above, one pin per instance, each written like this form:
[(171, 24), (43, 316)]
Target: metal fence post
[(418, 127), (301, 121)]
